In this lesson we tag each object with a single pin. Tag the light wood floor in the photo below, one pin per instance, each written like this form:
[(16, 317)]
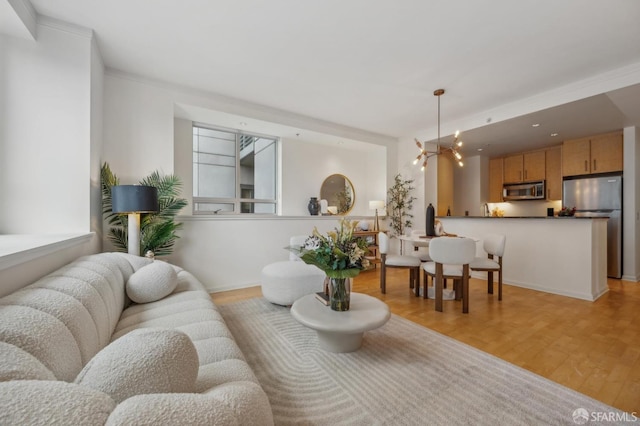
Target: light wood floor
[(592, 347)]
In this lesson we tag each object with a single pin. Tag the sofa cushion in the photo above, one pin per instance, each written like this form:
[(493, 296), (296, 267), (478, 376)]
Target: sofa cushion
[(66, 309), (21, 365), (148, 360), (152, 282), (35, 402), (43, 336)]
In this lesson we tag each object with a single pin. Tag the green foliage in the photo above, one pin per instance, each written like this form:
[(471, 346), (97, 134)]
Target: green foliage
[(399, 205), (158, 231), (339, 254)]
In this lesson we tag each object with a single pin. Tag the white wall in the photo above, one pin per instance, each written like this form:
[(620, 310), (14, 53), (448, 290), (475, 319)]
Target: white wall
[(143, 118), (45, 132), (50, 145), (631, 205), (306, 165)]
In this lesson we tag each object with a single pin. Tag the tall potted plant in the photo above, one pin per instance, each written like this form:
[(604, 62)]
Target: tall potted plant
[(158, 231), (399, 204)]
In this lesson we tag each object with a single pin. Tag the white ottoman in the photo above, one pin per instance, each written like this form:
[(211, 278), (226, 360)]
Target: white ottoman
[(285, 282)]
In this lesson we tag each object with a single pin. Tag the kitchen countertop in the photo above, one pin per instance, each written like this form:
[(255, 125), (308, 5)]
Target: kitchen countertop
[(518, 217)]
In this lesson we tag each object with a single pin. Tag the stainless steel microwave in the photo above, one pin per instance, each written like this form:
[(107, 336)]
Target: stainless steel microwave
[(523, 191)]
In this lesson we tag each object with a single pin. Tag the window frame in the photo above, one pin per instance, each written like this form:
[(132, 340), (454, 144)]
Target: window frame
[(237, 201)]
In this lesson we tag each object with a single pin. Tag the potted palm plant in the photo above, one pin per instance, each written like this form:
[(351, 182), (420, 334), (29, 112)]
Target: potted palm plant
[(158, 231)]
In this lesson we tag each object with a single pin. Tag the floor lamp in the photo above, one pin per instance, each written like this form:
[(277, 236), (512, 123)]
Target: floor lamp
[(133, 200)]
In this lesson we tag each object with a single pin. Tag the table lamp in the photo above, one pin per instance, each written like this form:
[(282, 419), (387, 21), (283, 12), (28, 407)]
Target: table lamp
[(375, 205), (133, 200)]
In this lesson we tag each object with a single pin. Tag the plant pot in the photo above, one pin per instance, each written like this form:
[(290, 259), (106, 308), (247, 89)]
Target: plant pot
[(339, 293)]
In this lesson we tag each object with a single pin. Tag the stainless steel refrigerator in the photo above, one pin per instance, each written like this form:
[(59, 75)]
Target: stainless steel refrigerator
[(598, 197)]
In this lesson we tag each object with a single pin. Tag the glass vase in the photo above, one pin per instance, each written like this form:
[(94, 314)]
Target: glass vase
[(340, 293)]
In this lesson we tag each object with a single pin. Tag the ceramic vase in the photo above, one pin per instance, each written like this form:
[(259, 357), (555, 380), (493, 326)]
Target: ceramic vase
[(313, 206)]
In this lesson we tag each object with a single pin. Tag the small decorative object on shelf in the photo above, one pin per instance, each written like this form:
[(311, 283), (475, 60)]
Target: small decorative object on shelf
[(430, 221), (566, 211), (341, 256), (314, 206), (150, 255)]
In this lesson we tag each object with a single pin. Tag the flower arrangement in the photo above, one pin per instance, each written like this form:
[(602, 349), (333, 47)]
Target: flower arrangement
[(339, 254), (566, 211)]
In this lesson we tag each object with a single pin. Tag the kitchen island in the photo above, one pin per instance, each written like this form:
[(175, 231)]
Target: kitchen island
[(561, 255)]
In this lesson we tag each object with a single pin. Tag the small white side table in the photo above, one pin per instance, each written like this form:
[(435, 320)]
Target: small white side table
[(341, 331)]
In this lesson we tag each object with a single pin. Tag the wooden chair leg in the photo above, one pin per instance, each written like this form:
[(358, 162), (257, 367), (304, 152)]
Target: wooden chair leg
[(439, 282), (500, 284), (416, 286), (490, 282), (383, 278), (465, 289), (425, 278), (457, 288), (411, 278)]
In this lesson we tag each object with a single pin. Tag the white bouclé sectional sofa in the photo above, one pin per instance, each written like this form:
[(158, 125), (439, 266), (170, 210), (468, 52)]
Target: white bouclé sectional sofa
[(75, 350)]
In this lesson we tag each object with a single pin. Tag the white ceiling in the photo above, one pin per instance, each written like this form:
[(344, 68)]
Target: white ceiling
[(374, 65)]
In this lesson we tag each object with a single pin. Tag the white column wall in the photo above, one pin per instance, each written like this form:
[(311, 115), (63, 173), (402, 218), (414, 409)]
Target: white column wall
[(631, 205), (45, 132)]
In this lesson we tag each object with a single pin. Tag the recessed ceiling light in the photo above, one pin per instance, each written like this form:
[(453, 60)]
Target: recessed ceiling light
[(479, 149), (553, 135), (243, 123), (535, 125)]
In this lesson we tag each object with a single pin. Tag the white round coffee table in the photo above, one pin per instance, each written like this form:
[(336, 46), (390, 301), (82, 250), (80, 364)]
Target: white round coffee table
[(341, 331)]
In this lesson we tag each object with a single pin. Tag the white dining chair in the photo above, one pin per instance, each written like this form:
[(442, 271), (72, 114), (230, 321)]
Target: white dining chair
[(451, 257), (387, 260), (493, 244), (421, 252)]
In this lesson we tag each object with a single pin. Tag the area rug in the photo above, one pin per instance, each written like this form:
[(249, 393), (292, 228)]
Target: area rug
[(404, 374)]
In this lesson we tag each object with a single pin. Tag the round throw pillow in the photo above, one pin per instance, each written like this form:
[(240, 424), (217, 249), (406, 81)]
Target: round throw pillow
[(152, 282), (146, 360)]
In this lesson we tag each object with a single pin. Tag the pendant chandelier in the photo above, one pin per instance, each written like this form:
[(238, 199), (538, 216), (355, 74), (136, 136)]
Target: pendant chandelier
[(454, 148)]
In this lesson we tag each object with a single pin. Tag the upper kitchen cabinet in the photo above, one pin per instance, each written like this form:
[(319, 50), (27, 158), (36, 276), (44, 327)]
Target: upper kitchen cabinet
[(495, 180), (553, 175), (595, 154), (525, 167)]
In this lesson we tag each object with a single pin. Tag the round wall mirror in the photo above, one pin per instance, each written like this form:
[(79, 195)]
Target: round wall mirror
[(338, 190)]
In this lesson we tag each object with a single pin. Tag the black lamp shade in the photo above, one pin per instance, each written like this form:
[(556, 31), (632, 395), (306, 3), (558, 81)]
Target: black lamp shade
[(134, 199)]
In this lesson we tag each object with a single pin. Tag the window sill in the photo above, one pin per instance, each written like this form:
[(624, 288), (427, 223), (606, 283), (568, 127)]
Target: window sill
[(21, 248)]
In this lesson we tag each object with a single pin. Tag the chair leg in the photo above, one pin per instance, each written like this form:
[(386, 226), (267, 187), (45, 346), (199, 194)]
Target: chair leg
[(500, 284), (465, 289), (490, 282), (426, 283), (383, 278), (439, 283), (411, 278)]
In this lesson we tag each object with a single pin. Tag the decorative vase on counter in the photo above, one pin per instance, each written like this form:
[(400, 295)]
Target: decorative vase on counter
[(431, 217), (339, 293), (314, 206)]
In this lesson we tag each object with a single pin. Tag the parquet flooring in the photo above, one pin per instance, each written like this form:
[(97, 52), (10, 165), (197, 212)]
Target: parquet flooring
[(592, 347)]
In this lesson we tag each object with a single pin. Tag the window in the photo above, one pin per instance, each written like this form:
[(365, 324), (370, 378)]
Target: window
[(233, 172)]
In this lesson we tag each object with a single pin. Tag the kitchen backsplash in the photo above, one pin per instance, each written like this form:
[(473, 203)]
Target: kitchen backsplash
[(526, 208)]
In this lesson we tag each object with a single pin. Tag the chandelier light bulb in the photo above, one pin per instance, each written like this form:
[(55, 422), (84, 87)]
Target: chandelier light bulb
[(460, 163), (457, 134), (415, 161), (459, 143), (458, 156)]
